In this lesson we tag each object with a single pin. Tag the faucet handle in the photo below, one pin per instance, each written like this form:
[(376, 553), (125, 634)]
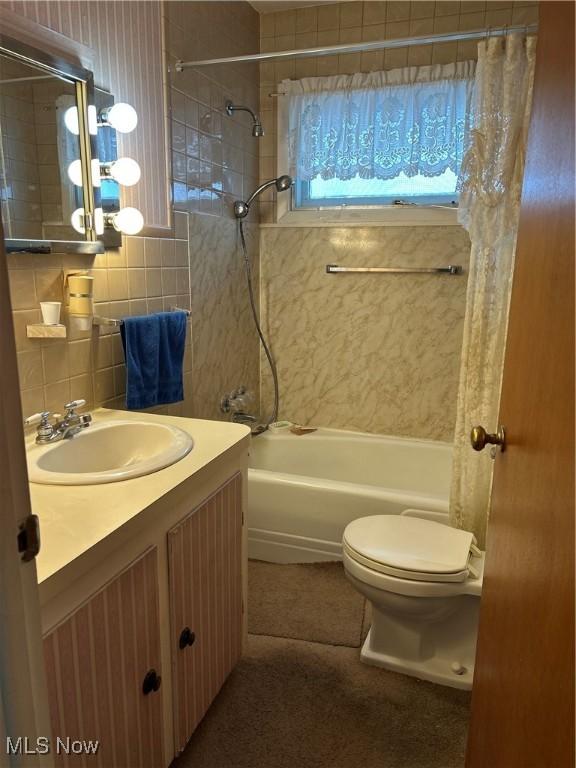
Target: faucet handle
[(38, 418), (45, 428), (71, 406)]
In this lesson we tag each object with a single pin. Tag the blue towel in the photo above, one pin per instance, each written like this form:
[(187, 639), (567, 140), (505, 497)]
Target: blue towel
[(154, 352)]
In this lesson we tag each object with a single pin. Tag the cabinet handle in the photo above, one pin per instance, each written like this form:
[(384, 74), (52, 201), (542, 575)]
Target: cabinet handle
[(187, 637), (152, 682)]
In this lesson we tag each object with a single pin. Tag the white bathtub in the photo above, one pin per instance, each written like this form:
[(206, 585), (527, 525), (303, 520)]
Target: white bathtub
[(303, 491)]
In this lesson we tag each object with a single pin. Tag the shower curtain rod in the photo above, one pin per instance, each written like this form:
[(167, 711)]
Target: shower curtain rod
[(373, 45)]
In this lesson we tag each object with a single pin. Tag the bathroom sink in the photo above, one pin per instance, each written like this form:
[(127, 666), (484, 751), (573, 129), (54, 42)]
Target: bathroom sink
[(108, 452)]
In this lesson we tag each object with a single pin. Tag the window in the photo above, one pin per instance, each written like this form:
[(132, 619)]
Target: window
[(378, 139), (422, 190)]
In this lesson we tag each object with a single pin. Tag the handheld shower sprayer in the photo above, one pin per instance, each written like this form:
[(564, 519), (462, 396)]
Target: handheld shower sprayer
[(257, 129), (242, 208)]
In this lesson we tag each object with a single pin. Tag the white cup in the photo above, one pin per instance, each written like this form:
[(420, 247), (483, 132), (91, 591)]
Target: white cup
[(50, 312)]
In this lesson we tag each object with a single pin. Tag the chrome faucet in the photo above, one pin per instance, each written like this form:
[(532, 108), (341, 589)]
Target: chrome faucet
[(70, 425), (243, 418), (237, 403)]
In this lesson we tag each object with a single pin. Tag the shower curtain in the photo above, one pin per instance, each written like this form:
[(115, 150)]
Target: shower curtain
[(490, 187)]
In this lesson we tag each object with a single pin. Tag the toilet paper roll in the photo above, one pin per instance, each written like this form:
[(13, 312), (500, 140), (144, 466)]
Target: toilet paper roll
[(79, 323), (81, 285), (81, 306)]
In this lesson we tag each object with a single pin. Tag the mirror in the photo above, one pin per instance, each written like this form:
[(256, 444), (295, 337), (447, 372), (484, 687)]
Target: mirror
[(46, 149)]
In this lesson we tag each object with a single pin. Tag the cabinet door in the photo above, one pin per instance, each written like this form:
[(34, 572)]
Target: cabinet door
[(204, 557), (96, 662)]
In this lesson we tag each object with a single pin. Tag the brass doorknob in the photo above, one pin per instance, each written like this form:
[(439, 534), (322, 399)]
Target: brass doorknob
[(480, 438)]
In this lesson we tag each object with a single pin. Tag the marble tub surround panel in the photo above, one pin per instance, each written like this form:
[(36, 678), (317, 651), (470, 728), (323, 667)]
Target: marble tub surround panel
[(226, 345), (146, 275), (356, 21), (377, 353)]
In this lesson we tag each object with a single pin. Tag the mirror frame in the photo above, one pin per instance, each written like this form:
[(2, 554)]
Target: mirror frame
[(83, 81)]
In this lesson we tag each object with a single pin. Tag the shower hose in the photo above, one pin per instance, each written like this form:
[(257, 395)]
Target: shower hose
[(271, 363)]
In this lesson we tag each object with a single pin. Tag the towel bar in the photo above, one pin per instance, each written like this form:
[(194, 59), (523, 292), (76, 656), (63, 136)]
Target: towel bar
[(451, 269), (98, 320)]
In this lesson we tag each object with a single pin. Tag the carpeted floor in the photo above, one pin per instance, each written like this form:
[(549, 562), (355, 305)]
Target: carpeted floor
[(300, 704), (311, 601)]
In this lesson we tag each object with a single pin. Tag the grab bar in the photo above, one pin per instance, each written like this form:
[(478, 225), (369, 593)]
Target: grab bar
[(451, 269)]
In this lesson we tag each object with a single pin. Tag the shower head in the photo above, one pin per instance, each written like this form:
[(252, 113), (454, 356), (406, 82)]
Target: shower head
[(282, 183), (257, 129)]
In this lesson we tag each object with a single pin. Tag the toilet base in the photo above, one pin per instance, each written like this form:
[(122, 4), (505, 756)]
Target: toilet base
[(436, 669)]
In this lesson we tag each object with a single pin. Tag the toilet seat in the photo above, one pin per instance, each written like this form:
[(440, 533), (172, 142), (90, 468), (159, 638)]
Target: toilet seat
[(410, 548), (412, 587)]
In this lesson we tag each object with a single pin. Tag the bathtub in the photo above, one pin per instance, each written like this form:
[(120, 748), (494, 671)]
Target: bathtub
[(304, 490)]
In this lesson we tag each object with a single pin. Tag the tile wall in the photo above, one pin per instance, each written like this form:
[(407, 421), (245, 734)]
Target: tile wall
[(351, 22), (214, 160), (145, 275)]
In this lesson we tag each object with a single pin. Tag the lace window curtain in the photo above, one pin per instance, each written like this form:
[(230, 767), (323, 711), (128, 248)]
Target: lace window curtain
[(380, 124), (490, 188)]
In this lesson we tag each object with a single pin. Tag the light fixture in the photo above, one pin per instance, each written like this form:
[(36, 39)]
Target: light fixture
[(99, 221), (77, 221), (95, 164), (122, 117), (71, 120), (124, 170), (92, 120), (129, 221), (75, 172)]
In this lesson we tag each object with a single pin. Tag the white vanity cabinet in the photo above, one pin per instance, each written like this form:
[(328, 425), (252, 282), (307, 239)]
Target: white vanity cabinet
[(108, 677)]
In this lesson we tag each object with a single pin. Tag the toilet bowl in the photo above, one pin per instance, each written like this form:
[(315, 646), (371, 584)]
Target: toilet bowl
[(424, 581)]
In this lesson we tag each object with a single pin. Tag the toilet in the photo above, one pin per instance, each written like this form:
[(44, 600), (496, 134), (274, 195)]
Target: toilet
[(424, 581)]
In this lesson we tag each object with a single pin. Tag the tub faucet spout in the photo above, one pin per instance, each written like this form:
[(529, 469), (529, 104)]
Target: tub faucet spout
[(243, 418)]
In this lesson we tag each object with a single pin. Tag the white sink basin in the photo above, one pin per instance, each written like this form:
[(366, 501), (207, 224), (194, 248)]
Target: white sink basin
[(108, 452)]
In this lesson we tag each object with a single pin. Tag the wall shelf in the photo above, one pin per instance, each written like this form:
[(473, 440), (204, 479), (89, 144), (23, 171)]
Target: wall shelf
[(41, 331)]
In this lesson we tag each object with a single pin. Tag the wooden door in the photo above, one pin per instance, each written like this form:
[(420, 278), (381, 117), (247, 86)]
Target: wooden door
[(96, 662), (523, 696), (204, 560), (24, 711)]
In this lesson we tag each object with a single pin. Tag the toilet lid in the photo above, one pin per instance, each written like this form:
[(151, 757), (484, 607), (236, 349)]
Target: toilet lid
[(409, 547)]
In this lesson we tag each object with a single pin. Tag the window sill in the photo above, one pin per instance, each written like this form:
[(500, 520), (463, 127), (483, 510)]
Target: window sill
[(384, 217)]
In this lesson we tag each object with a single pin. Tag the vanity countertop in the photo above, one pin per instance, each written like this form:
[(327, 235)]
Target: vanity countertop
[(73, 518)]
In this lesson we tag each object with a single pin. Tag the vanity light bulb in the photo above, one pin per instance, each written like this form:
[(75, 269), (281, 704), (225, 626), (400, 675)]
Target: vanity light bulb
[(75, 172), (92, 120), (129, 221), (77, 220), (122, 117), (96, 172), (125, 171), (71, 120), (99, 221)]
